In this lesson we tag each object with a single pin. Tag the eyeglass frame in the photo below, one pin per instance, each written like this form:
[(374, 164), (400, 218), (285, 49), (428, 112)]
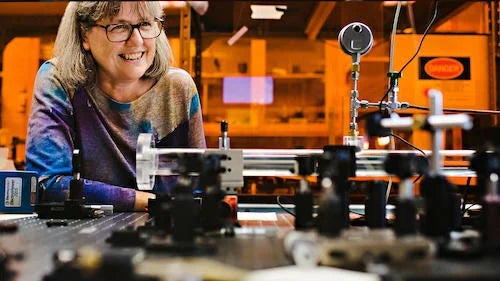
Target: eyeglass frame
[(133, 26)]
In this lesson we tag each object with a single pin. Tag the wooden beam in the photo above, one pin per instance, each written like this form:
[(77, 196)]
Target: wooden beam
[(185, 39), (33, 8), (450, 14), (318, 18)]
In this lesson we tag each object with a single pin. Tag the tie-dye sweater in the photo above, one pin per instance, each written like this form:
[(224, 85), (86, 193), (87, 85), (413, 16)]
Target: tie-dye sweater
[(105, 132)]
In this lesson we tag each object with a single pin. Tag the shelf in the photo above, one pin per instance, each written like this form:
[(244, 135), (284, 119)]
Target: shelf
[(270, 130), (275, 76), (294, 116)]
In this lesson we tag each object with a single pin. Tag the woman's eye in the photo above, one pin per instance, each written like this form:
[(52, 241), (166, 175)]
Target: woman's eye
[(118, 28), (145, 24)]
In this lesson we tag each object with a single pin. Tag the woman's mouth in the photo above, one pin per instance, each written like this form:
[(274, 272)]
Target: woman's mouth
[(132, 56)]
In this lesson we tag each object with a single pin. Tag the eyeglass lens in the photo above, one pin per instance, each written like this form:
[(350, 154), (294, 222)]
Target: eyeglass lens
[(122, 32)]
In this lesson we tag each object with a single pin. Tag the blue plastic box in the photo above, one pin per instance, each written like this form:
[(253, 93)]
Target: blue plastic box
[(18, 191)]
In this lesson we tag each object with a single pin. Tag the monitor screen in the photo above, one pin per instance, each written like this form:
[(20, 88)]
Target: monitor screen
[(247, 89)]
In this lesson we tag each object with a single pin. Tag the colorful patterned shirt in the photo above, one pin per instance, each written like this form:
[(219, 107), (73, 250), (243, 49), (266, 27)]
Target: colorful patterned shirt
[(105, 132)]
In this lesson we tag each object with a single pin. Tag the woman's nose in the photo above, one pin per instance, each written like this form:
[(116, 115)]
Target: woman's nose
[(135, 36)]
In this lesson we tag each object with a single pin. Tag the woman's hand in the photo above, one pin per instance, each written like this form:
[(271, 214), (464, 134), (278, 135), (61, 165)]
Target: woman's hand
[(141, 200)]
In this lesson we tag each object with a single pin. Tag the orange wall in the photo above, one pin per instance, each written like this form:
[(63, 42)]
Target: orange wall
[(464, 94), (473, 93), (20, 64)]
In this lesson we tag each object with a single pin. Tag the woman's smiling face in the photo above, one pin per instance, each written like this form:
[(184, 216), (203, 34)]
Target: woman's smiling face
[(125, 61)]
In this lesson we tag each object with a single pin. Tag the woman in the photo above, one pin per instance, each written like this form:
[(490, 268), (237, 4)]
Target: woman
[(110, 80)]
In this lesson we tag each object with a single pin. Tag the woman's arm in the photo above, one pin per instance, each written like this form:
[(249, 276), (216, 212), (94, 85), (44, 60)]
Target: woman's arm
[(196, 131), (50, 142)]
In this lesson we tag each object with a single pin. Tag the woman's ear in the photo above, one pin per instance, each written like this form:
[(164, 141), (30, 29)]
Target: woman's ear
[(85, 43)]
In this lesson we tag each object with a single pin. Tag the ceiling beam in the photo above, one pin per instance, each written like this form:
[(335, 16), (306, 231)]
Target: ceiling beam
[(33, 8), (318, 18), (460, 7)]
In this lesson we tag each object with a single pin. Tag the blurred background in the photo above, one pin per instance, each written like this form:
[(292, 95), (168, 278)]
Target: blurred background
[(274, 69)]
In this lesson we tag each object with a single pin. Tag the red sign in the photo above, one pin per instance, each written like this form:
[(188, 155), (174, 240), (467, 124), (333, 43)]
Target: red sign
[(443, 68)]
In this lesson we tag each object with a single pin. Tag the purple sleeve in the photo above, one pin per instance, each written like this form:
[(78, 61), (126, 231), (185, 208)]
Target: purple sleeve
[(49, 146)]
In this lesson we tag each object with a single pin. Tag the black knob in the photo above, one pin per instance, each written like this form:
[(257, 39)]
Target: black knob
[(405, 165)]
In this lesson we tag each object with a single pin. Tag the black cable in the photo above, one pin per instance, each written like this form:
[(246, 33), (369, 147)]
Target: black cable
[(423, 36), (414, 55), (464, 200), (283, 207), (409, 144), (417, 178), (412, 146), (476, 111), (468, 208), (382, 99), (419, 107)]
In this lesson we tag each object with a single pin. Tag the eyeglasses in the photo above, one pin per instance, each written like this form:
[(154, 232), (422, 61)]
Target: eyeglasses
[(123, 31)]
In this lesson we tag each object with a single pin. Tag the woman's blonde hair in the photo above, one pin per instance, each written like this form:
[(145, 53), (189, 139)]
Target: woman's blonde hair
[(75, 65)]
